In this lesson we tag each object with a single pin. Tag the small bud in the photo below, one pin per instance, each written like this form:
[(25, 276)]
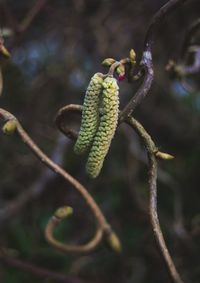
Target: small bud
[(163, 155), (121, 77), (63, 212), (121, 70), (132, 56), (4, 51), (114, 243), (9, 127), (108, 62)]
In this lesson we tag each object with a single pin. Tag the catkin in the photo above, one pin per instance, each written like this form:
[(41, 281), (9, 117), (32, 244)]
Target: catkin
[(106, 129), (90, 114)]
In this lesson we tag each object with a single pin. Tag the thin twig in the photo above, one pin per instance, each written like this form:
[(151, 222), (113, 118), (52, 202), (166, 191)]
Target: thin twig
[(6, 116), (31, 15), (189, 36), (151, 149), (75, 249), (146, 62), (13, 207), (60, 118), (28, 18), (36, 270)]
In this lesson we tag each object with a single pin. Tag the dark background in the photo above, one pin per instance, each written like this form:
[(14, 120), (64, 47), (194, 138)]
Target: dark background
[(51, 64)]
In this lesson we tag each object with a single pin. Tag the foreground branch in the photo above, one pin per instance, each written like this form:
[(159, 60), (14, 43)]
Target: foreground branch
[(13, 122), (59, 215), (146, 63), (152, 151)]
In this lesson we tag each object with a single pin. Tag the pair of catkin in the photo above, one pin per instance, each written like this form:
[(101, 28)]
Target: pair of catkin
[(97, 129)]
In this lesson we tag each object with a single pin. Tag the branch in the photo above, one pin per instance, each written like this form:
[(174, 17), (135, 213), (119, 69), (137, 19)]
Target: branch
[(12, 122), (189, 36), (36, 270), (13, 207), (60, 118), (28, 19), (31, 15), (146, 62), (58, 216), (152, 152)]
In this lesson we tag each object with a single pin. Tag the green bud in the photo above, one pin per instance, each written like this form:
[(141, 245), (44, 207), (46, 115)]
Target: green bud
[(121, 70), (108, 62), (63, 212), (114, 243), (132, 56), (90, 115), (106, 129), (9, 127), (4, 51)]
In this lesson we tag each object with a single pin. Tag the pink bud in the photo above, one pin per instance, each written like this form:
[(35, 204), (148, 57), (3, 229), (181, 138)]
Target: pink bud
[(121, 77)]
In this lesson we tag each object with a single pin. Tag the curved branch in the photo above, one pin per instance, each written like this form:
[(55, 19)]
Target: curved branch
[(60, 116), (102, 222), (152, 150), (153, 153), (52, 224), (146, 62), (193, 29)]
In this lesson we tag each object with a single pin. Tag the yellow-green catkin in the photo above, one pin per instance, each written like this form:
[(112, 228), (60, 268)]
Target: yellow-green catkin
[(107, 127), (90, 114)]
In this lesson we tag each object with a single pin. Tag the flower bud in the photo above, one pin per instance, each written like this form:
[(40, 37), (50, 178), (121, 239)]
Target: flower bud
[(108, 62), (9, 127)]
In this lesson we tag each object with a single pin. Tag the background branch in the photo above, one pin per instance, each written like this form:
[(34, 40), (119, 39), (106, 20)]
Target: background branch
[(36, 270)]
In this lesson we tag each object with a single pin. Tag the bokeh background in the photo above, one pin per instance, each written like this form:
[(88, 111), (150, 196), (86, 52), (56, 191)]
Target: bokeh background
[(51, 64)]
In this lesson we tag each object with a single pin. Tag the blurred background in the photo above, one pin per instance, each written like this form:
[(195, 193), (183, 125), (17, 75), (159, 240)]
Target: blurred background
[(54, 55)]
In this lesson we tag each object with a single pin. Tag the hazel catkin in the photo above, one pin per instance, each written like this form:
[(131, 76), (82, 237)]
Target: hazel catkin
[(90, 114), (107, 126)]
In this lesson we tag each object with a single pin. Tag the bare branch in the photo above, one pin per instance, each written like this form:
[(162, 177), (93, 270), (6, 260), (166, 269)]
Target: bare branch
[(189, 36), (28, 18), (36, 270), (105, 227), (34, 11), (151, 150), (76, 249), (146, 62), (60, 118), (13, 207)]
